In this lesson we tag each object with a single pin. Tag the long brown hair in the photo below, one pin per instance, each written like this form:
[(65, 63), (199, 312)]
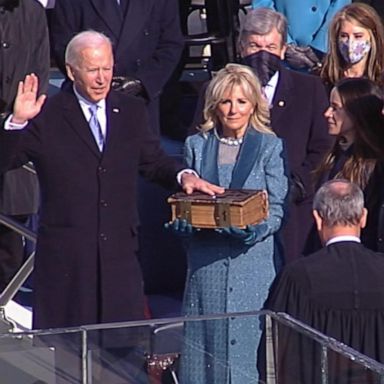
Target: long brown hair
[(366, 17), (363, 102)]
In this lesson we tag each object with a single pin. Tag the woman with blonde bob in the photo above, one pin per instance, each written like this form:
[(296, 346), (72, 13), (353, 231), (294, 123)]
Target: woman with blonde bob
[(230, 269), (356, 45)]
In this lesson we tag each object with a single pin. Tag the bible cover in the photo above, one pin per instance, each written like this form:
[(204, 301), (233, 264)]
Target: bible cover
[(235, 207)]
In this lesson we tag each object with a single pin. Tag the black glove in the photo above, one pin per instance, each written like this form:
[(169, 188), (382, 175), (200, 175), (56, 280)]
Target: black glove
[(128, 85), (297, 190), (301, 57), (248, 236)]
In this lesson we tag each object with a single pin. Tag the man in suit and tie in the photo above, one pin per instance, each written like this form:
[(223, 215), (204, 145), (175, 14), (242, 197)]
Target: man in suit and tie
[(297, 103), (88, 145), (338, 290), (147, 44), (146, 39)]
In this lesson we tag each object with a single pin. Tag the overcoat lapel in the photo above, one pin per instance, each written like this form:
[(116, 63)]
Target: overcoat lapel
[(109, 11), (75, 119), (133, 20), (249, 153), (209, 169), (113, 109), (281, 98), (248, 156)]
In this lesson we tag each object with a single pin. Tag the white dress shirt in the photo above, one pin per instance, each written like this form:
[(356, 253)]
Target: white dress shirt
[(101, 111), (270, 88), (338, 239)]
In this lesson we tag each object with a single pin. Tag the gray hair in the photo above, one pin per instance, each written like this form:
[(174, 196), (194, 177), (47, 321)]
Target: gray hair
[(339, 202), (86, 39), (261, 21)]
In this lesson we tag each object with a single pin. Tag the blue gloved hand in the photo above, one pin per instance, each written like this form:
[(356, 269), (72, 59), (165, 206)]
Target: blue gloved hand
[(180, 227), (248, 236)]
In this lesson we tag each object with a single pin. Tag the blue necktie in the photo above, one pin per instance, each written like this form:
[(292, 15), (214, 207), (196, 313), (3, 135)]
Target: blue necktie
[(94, 124)]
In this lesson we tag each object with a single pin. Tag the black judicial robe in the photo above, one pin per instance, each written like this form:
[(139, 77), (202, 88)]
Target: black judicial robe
[(339, 291)]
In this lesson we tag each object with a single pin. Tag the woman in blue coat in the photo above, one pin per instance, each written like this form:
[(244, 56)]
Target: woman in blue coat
[(230, 270)]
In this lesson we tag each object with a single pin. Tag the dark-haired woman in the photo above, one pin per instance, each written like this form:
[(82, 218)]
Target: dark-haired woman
[(355, 117)]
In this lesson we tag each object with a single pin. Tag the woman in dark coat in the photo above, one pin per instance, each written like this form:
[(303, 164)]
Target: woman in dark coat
[(355, 118)]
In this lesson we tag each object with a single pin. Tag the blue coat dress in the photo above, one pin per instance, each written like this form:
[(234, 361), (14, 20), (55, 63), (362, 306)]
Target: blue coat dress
[(308, 20), (224, 275)]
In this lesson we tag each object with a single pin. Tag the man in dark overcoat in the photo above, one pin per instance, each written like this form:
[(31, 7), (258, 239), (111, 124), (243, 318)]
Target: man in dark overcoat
[(24, 49), (145, 35), (86, 269)]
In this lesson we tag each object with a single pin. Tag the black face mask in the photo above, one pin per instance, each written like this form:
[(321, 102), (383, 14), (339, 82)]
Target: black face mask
[(264, 64)]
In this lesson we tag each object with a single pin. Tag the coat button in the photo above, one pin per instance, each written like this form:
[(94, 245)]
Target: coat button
[(138, 62), (103, 203), (233, 342), (103, 236), (4, 44), (102, 170), (314, 9), (146, 32)]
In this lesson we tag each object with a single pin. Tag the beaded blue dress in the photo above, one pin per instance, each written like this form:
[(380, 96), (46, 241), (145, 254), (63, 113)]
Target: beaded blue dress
[(224, 275)]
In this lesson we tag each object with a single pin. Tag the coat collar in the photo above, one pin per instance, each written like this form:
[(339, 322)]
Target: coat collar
[(248, 156)]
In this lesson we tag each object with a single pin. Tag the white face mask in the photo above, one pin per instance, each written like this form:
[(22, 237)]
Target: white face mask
[(355, 50)]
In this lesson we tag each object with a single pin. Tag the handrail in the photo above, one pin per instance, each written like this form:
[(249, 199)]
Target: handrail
[(329, 342), (282, 318), (17, 227), (26, 269)]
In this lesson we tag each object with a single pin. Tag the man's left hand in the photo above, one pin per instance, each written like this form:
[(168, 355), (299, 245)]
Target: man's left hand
[(191, 183)]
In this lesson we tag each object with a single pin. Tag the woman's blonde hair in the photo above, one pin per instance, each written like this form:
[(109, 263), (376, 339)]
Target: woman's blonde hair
[(230, 76), (366, 17)]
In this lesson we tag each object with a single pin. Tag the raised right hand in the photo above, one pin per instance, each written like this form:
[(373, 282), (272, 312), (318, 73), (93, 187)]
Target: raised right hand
[(27, 104)]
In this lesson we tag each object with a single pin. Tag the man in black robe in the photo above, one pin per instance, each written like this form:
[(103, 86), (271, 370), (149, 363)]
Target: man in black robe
[(338, 290)]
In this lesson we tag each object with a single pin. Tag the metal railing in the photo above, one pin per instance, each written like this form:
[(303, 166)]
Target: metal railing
[(26, 269), (9, 343)]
